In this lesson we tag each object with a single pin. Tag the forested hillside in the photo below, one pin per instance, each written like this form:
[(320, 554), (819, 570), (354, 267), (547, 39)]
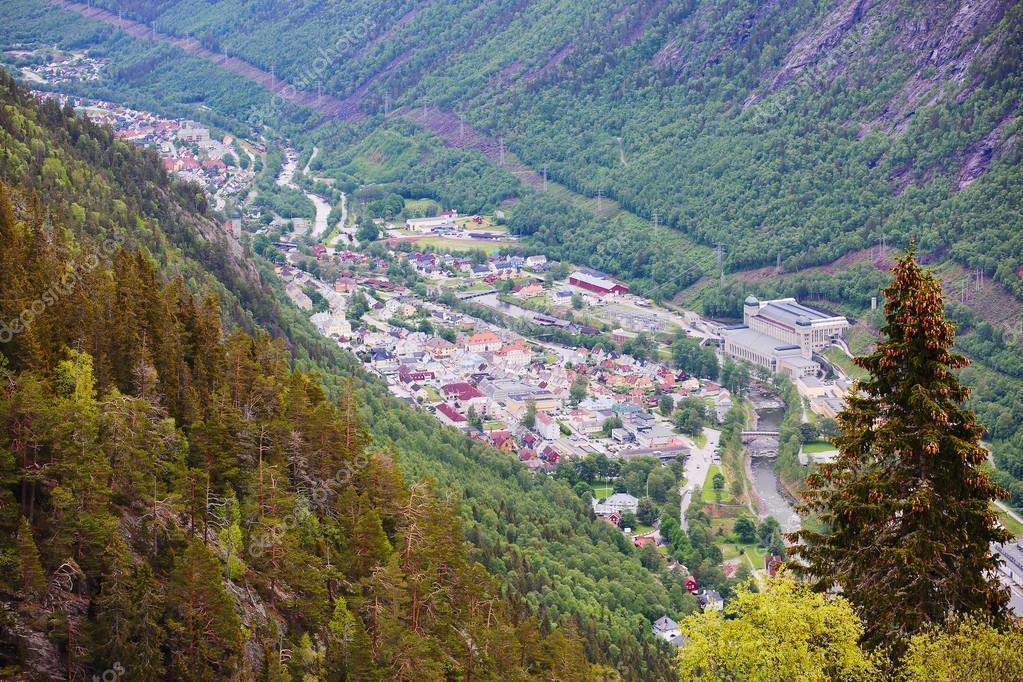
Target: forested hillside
[(795, 131), (251, 502)]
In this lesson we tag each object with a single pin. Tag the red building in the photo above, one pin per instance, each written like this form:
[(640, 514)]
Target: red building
[(597, 283)]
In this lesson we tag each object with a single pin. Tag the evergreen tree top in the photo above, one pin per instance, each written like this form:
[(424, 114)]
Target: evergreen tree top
[(907, 504)]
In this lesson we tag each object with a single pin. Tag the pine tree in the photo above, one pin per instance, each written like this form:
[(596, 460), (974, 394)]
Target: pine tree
[(907, 503), (206, 638), (128, 629), (33, 580)]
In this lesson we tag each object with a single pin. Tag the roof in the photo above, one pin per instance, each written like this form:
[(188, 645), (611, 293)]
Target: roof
[(595, 280), (483, 337), (621, 498), (789, 311), (438, 343), (512, 348), (664, 624), (463, 390), (450, 412)]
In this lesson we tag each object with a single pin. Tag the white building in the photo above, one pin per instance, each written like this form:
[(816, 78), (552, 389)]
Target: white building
[(428, 224), (619, 502), (783, 335), (665, 628), (793, 323), (547, 426)]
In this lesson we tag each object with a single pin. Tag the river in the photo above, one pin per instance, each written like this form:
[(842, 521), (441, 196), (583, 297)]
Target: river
[(763, 477), (286, 179)]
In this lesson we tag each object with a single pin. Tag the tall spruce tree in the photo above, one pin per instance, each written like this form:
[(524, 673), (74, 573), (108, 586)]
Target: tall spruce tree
[(907, 503)]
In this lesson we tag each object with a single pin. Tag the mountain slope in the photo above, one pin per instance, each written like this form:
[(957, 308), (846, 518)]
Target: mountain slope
[(135, 429)]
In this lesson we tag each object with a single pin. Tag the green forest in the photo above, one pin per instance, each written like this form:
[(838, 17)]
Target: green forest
[(165, 345), (795, 136)]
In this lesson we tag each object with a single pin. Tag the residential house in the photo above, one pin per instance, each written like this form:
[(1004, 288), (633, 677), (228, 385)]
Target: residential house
[(547, 426), (665, 628), (619, 502), (344, 285), (449, 415), (711, 600), (530, 290), (439, 348), (484, 342), (536, 263), (465, 394), (514, 356)]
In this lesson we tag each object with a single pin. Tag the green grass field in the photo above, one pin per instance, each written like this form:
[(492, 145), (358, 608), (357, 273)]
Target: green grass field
[(443, 244), (707, 492), (842, 361), (1011, 524), (818, 446)]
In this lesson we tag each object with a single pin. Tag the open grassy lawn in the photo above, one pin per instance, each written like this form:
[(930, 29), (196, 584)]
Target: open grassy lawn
[(493, 426), (420, 207), (756, 554), (488, 225), (842, 361), (640, 529), (707, 492), (700, 440), (602, 491), (728, 551), (1011, 524), (817, 447), (446, 245)]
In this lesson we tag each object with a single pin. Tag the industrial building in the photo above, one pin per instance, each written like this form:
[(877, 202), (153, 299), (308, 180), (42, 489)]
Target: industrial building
[(783, 335), (596, 282)]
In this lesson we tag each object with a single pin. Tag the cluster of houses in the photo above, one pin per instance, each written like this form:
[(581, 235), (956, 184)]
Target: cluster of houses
[(441, 266), (186, 148), (54, 67), (516, 394)]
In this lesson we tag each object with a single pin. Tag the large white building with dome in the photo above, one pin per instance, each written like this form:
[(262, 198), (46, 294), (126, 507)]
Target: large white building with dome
[(783, 335)]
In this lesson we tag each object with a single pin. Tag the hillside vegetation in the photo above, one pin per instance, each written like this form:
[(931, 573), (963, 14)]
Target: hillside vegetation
[(159, 445), (795, 131)]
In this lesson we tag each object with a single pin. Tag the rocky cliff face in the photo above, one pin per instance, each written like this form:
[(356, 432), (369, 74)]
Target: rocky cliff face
[(940, 42)]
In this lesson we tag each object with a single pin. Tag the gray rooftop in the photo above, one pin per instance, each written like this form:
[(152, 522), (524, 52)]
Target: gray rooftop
[(789, 312)]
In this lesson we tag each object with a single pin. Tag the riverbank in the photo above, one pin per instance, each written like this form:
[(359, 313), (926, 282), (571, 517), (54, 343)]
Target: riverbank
[(777, 499)]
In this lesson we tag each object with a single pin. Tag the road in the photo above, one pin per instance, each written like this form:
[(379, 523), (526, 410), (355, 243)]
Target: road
[(697, 467)]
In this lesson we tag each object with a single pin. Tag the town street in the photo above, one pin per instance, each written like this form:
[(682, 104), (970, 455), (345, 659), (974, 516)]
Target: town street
[(697, 467)]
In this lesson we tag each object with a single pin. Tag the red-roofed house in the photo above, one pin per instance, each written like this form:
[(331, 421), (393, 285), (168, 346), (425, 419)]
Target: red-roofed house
[(503, 441), (484, 342), (450, 415)]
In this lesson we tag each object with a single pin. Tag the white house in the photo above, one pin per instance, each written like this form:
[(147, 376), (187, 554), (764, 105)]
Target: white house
[(619, 502), (665, 628), (547, 426)]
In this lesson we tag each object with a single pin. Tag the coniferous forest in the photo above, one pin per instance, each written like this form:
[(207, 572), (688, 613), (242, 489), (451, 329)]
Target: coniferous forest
[(192, 497), (195, 484)]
